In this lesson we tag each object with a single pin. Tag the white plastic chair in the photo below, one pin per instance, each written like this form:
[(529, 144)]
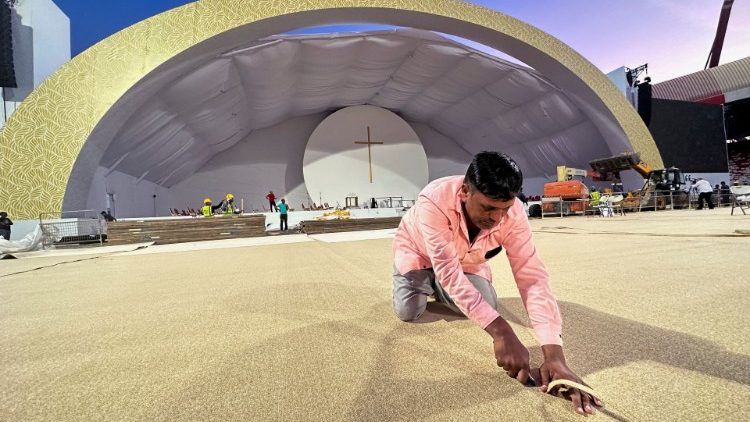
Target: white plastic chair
[(605, 210), (608, 203), (740, 198)]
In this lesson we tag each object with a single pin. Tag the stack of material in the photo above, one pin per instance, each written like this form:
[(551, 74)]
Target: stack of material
[(335, 215), (163, 232), (333, 226)]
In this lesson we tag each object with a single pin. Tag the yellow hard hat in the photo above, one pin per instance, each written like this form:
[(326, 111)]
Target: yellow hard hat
[(207, 201), (230, 196)]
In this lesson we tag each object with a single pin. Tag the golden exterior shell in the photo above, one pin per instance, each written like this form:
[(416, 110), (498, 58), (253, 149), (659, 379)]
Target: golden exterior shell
[(40, 143)]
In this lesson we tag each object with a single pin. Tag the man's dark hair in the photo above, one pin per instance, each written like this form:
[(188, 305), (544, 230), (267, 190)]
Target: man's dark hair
[(494, 174)]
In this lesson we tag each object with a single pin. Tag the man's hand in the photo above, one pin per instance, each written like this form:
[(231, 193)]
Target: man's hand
[(553, 368), (510, 354)]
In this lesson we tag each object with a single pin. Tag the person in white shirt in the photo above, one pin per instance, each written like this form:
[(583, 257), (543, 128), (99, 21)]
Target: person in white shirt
[(704, 190)]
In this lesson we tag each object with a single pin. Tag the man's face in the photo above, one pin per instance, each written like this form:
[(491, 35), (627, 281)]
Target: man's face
[(484, 212)]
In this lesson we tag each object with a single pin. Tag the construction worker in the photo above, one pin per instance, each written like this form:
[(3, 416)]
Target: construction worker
[(594, 196), (208, 209), (283, 213), (704, 190), (228, 207)]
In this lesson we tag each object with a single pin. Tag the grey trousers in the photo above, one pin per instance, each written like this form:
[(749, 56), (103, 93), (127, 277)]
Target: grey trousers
[(411, 290)]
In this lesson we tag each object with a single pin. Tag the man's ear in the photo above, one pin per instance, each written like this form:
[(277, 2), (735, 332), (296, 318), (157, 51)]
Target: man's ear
[(464, 194)]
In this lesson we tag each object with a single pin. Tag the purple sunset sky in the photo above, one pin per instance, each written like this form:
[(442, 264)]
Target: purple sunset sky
[(672, 36)]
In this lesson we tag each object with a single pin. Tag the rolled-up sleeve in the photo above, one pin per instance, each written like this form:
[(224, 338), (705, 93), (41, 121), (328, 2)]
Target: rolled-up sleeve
[(533, 283), (438, 239)]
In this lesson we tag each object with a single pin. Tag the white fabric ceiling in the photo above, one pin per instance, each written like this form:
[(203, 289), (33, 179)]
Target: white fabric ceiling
[(479, 101)]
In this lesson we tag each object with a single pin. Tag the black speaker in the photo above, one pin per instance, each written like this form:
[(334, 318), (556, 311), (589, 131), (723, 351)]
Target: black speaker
[(644, 102), (7, 73), (690, 135)]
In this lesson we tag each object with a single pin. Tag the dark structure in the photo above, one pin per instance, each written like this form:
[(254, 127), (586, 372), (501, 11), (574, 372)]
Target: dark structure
[(689, 135), (685, 122), (7, 73)]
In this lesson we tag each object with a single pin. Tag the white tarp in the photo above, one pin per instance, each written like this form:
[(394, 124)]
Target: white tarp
[(30, 242)]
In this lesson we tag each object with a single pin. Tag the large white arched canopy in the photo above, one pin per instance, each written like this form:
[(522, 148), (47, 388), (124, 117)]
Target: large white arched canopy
[(186, 113)]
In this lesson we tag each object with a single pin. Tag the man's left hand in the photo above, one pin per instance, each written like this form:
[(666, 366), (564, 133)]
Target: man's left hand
[(554, 368)]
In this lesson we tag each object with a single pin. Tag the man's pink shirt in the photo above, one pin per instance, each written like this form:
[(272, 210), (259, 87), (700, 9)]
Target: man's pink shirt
[(433, 234)]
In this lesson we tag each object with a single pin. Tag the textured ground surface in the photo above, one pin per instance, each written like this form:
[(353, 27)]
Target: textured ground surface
[(654, 308)]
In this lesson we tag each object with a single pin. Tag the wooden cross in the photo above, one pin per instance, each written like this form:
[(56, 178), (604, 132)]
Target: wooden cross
[(369, 151)]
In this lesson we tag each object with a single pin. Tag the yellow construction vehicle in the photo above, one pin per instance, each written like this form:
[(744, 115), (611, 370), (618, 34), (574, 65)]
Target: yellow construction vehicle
[(662, 187)]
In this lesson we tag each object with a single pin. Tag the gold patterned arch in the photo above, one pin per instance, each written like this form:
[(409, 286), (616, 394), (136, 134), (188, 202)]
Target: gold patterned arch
[(41, 143)]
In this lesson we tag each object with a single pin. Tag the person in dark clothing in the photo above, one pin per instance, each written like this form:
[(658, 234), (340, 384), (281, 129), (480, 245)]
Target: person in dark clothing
[(283, 208), (5, 224), (107, 216), (725, 192)]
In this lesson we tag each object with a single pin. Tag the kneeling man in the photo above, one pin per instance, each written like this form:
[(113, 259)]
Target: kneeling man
[(441, 249)]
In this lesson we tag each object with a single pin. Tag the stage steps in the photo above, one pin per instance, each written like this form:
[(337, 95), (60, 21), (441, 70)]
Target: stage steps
[(188, 229), (354, 224)]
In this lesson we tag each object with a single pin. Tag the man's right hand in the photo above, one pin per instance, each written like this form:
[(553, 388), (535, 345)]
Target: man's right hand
[(510, 353)]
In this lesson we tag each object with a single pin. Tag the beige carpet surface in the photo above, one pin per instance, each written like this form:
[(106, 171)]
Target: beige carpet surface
[(654, 307)]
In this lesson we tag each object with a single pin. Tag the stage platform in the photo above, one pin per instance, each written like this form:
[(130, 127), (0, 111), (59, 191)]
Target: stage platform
[(185, 229), (354, 224), (296, 218), (178, 229)]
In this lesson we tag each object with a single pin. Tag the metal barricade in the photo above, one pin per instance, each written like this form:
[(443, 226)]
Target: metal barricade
[(657, 200), (72, 228), (559, 207), (647, 200), (390, 201)]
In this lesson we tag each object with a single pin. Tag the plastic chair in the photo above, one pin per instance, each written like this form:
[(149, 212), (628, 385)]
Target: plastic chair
[(608, 204), (740, 198)]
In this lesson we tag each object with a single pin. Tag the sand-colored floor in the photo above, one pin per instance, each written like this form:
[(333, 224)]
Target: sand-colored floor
[(655, 309)]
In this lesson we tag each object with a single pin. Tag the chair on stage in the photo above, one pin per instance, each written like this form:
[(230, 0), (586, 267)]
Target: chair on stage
[(740, 198), (304, 208)]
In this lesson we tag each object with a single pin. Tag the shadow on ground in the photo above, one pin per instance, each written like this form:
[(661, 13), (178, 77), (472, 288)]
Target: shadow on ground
[(378, 368), (595, 340)]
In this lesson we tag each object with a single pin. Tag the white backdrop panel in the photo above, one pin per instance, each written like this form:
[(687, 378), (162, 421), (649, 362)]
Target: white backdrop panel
[(336, 167)]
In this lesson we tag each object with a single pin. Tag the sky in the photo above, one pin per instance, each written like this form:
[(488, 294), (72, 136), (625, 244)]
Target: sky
[(672, 36)]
